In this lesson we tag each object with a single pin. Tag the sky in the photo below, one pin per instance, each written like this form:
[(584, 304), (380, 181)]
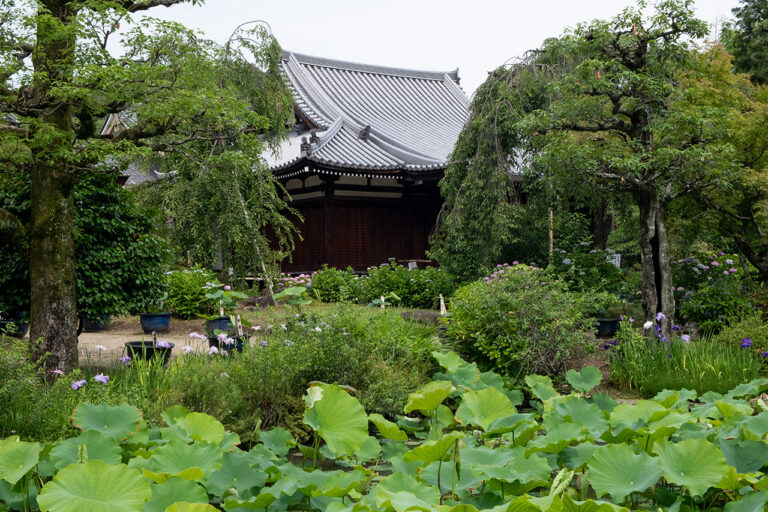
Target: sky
[(436, 35)]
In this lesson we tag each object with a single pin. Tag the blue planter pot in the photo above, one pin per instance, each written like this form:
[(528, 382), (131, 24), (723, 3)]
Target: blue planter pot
[(148, 351), (155, 322), (94, 325), (21, 328), (222, 323), (607, 327)]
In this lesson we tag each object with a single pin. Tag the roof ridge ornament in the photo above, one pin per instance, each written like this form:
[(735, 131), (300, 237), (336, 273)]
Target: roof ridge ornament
[(364, 133), (313, 138), (306, 147)]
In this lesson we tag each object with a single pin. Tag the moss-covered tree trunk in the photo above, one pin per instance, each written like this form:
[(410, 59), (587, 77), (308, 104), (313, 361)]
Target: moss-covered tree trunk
[(53, 315), (654, 255)]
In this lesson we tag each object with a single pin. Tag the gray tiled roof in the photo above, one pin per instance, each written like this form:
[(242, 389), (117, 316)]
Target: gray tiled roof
[(372, 117)]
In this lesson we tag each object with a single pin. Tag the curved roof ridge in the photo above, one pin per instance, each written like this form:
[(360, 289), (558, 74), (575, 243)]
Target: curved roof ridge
[(371, 68)]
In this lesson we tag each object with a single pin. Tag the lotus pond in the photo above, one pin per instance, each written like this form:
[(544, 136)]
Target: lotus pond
[(465, 445)]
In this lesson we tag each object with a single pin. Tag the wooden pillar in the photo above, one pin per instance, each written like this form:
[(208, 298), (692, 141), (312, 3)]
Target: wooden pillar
[(329, 218)]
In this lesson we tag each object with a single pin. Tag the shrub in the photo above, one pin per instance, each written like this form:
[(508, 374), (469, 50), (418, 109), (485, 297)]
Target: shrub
[(585, 270), (415, 288), (751, 327), (648, 365), (519, 321), (187, 290), (332, 285), (716, 303)]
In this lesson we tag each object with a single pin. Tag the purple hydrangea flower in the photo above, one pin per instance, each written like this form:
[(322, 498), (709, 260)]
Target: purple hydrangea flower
[(515, 263), (715, 264), (227, 288), (746, 343), (732, 270), (78, 384)]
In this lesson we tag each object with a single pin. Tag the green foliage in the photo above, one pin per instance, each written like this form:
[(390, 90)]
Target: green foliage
[(570, 453), (187, 290), (119, 258), (752, 326), (334, 285), (519, 321), (587, 270), (747, 40), (648, 365), (418, 288)]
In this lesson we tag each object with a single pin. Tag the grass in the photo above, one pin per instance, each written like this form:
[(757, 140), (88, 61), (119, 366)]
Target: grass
[(647, 366)]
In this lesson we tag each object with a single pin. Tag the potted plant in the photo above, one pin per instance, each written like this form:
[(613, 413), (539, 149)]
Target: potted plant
[(14, 328), (609, 317), (226, 299), (95, 325), (222, 341), (150, 350), (153, 319)]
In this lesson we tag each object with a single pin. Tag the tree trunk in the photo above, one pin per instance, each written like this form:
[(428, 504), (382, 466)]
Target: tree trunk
[(53, 316), (602, 225), (654, 253)]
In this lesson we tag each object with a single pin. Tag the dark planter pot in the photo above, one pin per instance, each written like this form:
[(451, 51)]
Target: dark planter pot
[(222, 323), (238, 345), (94, 325), (607, 327), (155, 322), (148, 351), (21, 328)]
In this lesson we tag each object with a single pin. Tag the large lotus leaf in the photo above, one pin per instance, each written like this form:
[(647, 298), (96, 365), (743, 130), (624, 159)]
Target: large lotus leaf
[(265, 498), (541, 387), (675, 399), (505, 464), (16, 458), (95, 487), (576, 456), (172, 491), (278, 440), (338, 418), (749, 389), (403, 492), (341, 483), (202, 427), (97, 447), (616, 470), (754, 502), (570, 505), (235, 473), (558, 437), (433, 451), (387, 429), (116, 421), (757, 425), (510, 423), (733, 409), (177, 458), (745, 456), (429, 396), (483, 407), (449, 360), (184, 506), (174, 413), (585, 380), (694, 463), (579, 411), (641, 413)]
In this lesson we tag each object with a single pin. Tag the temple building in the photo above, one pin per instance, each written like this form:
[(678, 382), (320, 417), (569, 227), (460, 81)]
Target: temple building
[(364, 158)]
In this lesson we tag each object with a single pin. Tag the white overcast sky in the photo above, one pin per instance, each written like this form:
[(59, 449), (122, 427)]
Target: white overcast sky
[(475, 36)]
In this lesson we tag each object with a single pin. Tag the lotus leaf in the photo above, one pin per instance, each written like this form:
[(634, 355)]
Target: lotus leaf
[(98, 446), (484, 407), (202, 427), (387, 429), (745, 456), (754, 502), (338, 418), (584, 380), (95, 487), (176, 457), (403, 492), (172, 491), (118, 422), (278, 440), (581, 412), (694, 463), (616, 470), (235, 473), (541, 387), (174, 413), (429, 396), (16, 458), (184, 506), (433, 451)]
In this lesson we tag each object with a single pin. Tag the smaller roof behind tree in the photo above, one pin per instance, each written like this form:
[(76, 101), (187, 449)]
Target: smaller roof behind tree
[(370, 118)]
